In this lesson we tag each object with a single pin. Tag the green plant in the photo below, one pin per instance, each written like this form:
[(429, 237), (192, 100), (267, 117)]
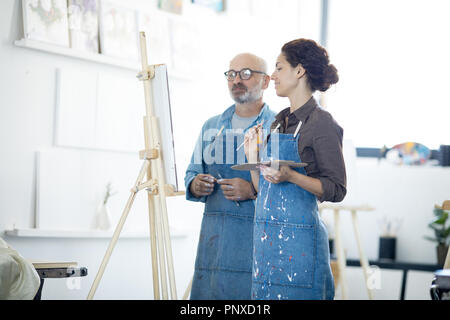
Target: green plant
[(440, 227)]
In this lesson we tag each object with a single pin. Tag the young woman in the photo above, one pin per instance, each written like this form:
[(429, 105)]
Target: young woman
[(291, 254)]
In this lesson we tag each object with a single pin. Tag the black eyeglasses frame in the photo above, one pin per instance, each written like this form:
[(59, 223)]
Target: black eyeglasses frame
[(240, 73)]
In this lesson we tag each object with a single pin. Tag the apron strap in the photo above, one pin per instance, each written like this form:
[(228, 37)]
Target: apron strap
[(298, 128)]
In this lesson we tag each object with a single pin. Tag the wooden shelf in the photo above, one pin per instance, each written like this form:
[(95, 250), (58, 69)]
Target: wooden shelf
[(87, 56), (49, 233), (69, 52)]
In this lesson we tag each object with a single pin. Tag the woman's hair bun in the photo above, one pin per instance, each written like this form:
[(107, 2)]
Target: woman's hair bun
[(314, 59)]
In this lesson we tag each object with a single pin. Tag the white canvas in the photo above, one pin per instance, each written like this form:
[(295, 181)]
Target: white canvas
[(76, 106), (99, 111), (71, 184), (46, 21), (118, 31), (120, 108), (109, 114), (83, 25), (161, 105)]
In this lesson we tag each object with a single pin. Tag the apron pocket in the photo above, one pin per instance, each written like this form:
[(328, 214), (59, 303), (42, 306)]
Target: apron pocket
[(284, 254), (208, 252), (237, 243)]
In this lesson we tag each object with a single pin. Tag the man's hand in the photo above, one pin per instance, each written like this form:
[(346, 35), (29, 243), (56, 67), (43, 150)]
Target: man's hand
[(236, 189), (202, 185)]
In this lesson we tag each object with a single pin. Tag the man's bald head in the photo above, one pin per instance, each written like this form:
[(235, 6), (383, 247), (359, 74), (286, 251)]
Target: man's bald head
[(248, 60)]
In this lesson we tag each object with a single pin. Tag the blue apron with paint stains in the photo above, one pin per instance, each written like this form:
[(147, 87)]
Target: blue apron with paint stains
[(291, 254), (223, 267)]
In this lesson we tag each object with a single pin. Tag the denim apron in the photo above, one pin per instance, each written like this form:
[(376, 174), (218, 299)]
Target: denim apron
[(223, 267), (291, 254)]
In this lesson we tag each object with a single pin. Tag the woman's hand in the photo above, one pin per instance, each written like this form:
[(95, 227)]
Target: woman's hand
[(251, 140), (273, 175)]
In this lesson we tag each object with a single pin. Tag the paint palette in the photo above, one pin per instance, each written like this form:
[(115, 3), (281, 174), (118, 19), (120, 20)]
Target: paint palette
[(273, 164), (408, 153)]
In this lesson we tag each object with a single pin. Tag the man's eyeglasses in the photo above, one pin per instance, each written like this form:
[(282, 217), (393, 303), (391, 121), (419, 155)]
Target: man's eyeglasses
[(244, 74)]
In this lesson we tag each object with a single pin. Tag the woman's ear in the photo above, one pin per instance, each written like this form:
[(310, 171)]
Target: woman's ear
[(300, 71)]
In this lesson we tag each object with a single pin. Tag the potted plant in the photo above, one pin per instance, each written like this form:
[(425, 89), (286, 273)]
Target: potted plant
[(441, 230)]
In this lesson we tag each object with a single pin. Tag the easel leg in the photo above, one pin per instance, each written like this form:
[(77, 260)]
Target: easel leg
[(116, 234), (363, 260), (340, 255), (188, 289), (163, 207), (152, 224)]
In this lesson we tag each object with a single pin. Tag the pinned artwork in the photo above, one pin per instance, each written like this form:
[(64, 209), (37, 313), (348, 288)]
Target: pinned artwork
[(156, 28), (216, 5), (172, 6), (46, 21), (118, 31), (186, 55), (83, 25), (409, 153)]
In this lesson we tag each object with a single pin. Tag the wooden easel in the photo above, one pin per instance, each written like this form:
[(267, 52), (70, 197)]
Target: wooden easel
[(341, 260), (157, 189)]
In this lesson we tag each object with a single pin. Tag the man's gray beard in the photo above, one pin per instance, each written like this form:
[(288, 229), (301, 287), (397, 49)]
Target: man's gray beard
[(249, 96)]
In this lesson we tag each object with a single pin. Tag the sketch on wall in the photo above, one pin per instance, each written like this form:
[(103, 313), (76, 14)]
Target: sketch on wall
[(118, 31), (83, 25), (46, 21), (172, 6), (186, 54), (216, 5)]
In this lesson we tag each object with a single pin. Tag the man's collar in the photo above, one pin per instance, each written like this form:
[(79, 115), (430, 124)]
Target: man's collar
[(228, 113)]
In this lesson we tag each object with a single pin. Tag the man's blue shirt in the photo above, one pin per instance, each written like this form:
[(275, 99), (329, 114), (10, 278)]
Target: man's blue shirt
[(212, 126)]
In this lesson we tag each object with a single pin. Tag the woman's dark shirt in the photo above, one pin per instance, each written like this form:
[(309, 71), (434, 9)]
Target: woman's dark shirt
[(319, 145)]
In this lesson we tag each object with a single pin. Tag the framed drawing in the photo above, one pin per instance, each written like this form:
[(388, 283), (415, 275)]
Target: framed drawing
[(118, 31), (83, 25), (46, 21), (172, 6), (216, 5)]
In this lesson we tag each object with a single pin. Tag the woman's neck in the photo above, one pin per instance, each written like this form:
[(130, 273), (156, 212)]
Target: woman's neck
[(299, 97)]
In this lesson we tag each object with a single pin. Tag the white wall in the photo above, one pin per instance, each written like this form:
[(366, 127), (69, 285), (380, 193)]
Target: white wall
[(27, 123)]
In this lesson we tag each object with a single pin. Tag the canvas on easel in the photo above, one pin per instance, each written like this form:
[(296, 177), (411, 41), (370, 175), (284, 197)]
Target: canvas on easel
[(152, 178), (46, 21)]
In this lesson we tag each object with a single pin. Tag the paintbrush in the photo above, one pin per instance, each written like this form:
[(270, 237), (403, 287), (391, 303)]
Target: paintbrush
[(220, 177), (258, 126)]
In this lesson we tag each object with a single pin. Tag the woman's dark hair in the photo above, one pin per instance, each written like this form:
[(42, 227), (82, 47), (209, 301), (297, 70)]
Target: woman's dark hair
[(315, 60)]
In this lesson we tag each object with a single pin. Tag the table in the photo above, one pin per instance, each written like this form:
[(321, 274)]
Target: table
[(58, 272), (404, 266)]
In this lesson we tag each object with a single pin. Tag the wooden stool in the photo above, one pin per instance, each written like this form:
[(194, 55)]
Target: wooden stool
[(341, 260)]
